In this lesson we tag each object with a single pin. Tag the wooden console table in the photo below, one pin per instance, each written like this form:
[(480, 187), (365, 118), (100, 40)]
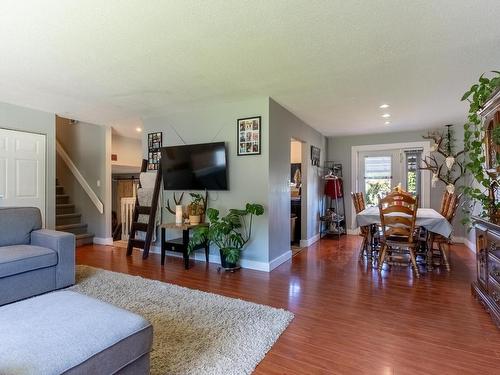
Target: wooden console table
[(180, 244)]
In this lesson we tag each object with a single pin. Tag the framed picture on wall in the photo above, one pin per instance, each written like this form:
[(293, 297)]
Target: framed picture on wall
[(315, 155), (248, 131), (155, 141)]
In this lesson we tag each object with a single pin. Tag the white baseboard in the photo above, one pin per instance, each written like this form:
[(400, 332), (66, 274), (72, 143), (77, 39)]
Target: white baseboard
[(310, 241), (353, 231), (103, 240), (280, 260), (244, 263), (471, 245)]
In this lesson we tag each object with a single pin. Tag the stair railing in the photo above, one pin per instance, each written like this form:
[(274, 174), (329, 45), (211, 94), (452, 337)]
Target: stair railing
[(79, 177)]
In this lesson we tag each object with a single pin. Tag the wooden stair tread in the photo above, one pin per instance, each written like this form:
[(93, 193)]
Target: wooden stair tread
[(144, 210), (70, 226), (142, 227), (65, 216), (137, 243)]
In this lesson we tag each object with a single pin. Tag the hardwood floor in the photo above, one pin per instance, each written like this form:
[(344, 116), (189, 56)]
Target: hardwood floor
[(349, 319)]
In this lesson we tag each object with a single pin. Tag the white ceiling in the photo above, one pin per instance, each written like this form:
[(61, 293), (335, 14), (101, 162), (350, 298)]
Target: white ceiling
[(332, 63)]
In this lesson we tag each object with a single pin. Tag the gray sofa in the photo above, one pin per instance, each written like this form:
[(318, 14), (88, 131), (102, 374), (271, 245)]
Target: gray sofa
[(32, 260), (69, 333)]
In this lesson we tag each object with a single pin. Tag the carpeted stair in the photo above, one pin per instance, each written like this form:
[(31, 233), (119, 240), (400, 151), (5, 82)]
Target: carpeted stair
[(68, 220)]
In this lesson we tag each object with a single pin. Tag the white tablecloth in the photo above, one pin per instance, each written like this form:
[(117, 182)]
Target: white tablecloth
[(427, 218)]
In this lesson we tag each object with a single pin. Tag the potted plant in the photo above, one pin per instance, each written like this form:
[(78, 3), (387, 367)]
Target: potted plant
[(196, 208), (230, 233), (474, 136)]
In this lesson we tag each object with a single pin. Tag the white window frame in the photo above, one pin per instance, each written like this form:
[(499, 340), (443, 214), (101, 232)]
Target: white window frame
[(425, 197)]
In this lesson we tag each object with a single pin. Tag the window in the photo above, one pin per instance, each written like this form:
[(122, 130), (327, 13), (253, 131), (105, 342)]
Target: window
[(412, 161), (378, 177)]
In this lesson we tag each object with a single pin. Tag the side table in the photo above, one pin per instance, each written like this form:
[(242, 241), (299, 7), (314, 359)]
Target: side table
[(180, 244)]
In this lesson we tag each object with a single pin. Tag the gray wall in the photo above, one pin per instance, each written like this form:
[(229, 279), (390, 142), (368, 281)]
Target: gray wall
[(86, 145), (248, 175), (29, 120), (283, 126), (339, 149)]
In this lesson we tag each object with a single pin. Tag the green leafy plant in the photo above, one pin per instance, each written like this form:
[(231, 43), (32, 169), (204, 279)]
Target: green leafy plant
[(375, 188), (197, 205), (230, 232), (477, 96)]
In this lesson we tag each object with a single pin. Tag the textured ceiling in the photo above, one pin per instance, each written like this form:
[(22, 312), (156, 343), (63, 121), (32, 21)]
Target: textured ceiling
[(332, 63)]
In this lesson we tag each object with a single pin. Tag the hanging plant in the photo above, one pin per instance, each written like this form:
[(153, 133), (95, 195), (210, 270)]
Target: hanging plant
[(474, 135)]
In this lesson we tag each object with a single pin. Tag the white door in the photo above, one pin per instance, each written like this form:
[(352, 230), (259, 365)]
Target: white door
[(381, 171), (22, 170)]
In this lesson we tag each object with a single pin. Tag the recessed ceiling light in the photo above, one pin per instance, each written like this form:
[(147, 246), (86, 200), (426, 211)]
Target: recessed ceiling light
[(384, 106), (138, 130), (387, 123), (386, 115)]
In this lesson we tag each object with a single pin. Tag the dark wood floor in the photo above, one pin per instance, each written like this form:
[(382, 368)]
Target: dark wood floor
[(349, 319)]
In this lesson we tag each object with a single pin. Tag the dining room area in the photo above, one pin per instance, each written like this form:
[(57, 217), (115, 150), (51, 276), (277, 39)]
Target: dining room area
[(407, 202), (398, 233)]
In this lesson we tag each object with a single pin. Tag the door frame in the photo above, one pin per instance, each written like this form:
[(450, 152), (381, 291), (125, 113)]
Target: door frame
[(426, 178)]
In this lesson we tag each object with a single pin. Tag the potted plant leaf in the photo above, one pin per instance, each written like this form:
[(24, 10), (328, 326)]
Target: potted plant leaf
[(196, 208), (474, 142), (230, 233)]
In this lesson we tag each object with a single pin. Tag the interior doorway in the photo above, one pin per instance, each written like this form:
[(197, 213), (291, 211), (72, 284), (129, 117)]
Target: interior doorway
[(296, 189), (22, 170)]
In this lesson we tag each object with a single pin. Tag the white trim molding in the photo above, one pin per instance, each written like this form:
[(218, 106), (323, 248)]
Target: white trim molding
[(310, 241), (103, 240), (471, 245), (79, 177), (244, 263), (426, 178)]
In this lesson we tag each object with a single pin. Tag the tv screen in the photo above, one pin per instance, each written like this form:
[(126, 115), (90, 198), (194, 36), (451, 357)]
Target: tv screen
[(194, 167)]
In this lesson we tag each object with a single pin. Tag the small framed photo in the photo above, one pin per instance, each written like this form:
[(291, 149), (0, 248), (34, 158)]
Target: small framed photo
[(249, 136), (315, 155)]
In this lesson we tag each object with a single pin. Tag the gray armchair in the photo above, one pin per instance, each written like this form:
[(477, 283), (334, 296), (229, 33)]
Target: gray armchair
[(32, 260)]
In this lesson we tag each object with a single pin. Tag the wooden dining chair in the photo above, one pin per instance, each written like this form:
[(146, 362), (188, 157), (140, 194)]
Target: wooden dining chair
[(358, 201), (398, 214), (449, 206)]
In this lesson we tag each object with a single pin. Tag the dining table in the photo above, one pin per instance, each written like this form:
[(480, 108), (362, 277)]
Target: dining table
[(427, 218)]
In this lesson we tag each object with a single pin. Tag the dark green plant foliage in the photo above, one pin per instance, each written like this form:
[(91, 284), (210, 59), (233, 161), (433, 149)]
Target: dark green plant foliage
[(477, 96), (230, 233)]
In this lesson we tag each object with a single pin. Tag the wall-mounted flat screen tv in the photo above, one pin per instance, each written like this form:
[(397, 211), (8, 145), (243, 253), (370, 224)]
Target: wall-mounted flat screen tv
[(195, 167)]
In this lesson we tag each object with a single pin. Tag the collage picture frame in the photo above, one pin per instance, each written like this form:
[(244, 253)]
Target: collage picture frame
[(249, 136), (155, 142)]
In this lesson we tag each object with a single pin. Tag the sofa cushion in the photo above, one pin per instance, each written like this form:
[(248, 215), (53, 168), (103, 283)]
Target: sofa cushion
[(23, 258), (17, 223), (70, 333)]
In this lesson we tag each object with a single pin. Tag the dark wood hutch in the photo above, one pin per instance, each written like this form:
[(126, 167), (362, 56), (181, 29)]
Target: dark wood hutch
[(487, 286)]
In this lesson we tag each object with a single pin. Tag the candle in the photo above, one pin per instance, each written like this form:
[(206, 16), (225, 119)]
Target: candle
[(178, 214)]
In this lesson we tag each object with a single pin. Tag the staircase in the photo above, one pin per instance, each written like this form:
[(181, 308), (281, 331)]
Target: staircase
[(68, 220)]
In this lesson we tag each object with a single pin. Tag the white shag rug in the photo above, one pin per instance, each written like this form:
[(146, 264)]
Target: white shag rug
[(194, 332)]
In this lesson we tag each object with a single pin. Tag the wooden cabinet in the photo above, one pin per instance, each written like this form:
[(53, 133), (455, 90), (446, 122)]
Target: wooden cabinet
[(486, 288), (491, 119)]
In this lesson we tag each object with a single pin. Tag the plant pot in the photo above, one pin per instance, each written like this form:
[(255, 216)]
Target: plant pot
[(194, 219), (228, 266)]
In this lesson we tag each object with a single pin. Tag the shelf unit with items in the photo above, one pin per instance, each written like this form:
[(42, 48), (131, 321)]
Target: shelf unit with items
[(333, 204)]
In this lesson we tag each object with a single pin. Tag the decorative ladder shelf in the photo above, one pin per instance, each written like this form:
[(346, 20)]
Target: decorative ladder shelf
[(148, 227)]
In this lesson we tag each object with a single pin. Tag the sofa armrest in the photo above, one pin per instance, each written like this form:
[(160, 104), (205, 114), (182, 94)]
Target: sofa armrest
[(64, 244)]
